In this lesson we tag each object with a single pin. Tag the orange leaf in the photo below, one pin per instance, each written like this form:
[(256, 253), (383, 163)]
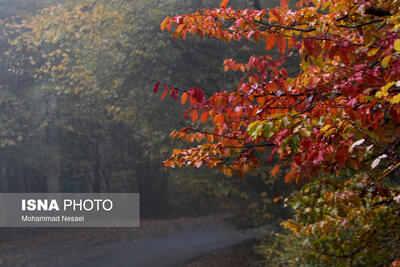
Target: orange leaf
[(162, 26), (281, 44), (168, 26), (165, 93), (291, 42), (224, 4), (289, 177), (179, 29), (218, 119), (270, 41), (284, 4), (184, 98), (278, 198), (271, 86), (174, 134), (275, 170), (204, 116), (194, 115)]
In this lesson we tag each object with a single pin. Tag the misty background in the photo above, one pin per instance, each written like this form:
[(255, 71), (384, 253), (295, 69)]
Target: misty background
[(78, 113)]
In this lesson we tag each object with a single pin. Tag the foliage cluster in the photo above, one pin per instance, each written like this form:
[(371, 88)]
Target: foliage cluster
[(334, 123)]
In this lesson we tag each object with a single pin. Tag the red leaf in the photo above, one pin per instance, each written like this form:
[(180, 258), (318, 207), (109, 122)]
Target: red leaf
[(342, 155), (270, 41), (309, 44), (174, 94), (155, 88), (257, 36), (186, 113)]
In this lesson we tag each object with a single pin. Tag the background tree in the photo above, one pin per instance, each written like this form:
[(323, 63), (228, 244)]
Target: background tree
[(27, 158), (90, 62)]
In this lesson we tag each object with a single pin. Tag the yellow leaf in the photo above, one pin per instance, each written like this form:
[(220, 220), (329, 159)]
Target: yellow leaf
[(379, 94), (395, 99), (173, 134), (397, 45), (373, 51), (252, 124), (325, 128), (385, 61), (387, 86), (325, 5), (304, 65), (329, 132), (384, 90)]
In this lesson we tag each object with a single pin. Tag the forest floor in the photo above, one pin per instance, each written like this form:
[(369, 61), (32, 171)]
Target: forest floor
[(238, 255), (154, 243)]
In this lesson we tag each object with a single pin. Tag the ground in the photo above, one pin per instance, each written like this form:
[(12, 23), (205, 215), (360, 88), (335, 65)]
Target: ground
[(239, 255), (157, 242)]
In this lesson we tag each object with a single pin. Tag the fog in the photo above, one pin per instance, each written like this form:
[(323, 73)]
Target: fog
[(78, 115)]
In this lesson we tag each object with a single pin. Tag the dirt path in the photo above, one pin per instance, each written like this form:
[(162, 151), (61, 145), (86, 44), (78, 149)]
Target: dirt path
[(174, 249), (154, 243)]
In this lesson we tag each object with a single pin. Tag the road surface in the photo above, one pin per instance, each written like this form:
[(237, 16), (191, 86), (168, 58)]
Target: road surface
[(174, 249)]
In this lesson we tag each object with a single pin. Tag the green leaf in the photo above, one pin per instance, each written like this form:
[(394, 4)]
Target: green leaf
[(294, 144), (268, 130)]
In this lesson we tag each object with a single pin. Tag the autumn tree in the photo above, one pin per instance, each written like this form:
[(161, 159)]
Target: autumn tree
[(28, 160), (334, 123), (85, 54), (93, 60)]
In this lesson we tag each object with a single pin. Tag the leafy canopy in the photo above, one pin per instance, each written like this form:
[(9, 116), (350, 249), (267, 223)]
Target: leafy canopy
[(335, 122)]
